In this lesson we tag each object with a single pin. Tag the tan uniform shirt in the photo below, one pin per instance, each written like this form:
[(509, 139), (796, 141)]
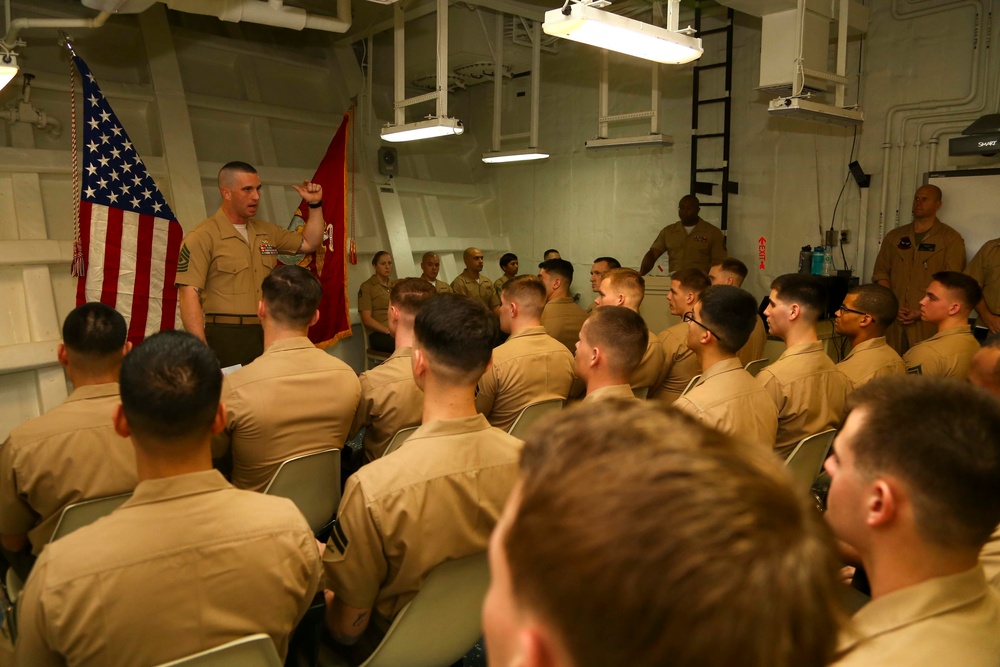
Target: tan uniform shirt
[(441, 286), (374, 296), (69, 454), (948, 353), (188, 563), (390, 401), (612, 391), (908, 266), (809, 391), (728, 398), (500, 282), (698, 250), (869, 360), (217, 259), (985, 268), (294, 399), (480, 288), (989, 558), (679, 364), (562, 320), (531, 366), (649, 370), (754, 348), (435, 499), (953, 620)]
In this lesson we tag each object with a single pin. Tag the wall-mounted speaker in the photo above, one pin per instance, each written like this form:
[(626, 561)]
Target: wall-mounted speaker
[(388, 164)]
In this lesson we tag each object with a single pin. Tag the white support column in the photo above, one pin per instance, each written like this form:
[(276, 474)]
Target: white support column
[(442, 58), (395, 227), (602, 92), (536, 79), (498, 82), (186, 198), (654, 120), (399, 61)]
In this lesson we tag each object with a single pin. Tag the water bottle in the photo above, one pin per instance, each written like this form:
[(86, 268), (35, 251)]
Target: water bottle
[(828, 262), (805, 259), (819, 257)]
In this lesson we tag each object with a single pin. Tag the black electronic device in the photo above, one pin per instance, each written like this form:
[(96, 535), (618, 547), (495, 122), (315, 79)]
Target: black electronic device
[(388, 162), (980, 138), (864, 180)]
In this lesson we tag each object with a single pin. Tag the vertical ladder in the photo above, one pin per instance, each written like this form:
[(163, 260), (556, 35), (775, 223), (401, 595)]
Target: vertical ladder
[(707, 129)]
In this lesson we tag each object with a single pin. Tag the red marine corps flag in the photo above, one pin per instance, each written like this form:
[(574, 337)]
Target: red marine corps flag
[(329, 262), (127, 241)]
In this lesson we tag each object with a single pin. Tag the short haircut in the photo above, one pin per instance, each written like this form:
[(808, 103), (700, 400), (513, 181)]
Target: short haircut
[(622, 335), (610, 261), (558, 267), (731, 313), (965, 286), (457, 333), (170, 387), (805, 290), (507, 258), (378, 256), (685, 550), (551, 250), (96, 330), (693, 280), (291, 294), (428, 256), (733, 265), (626, 280), (410, 294), (528, 292), (934, 188), (942, 438), (878, 301), (230, 169)]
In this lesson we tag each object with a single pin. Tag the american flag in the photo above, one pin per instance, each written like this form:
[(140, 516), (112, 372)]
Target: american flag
[(129, 236)]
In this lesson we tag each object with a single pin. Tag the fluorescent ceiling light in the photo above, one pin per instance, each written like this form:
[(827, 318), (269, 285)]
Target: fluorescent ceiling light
[(8, 69), (644, 140), (424, 129), (523, 155), (588, 25)]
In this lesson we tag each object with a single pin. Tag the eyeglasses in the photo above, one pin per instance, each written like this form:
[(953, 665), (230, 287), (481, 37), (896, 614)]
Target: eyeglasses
[(845, 309), (689, 317)]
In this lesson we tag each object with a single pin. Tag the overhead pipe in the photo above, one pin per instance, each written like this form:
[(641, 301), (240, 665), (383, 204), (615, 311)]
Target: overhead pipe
[(271, 12), (977, 5), (17, 25)]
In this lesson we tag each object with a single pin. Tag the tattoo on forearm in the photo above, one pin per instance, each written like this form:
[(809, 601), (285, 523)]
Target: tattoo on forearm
[(362, 616)]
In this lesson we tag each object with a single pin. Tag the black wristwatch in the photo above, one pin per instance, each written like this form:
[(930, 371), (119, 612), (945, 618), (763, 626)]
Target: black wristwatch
[(317, 204)]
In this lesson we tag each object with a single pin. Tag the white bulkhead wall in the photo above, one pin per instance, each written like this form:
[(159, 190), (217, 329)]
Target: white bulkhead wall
[(274, 98)]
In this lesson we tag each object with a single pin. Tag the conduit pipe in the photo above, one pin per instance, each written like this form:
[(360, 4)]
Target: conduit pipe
[(977, 6), (272, 13), (17, 25)]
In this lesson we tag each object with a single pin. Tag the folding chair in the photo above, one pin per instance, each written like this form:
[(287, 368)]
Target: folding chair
[(806, 460), (531, 413), (376, 356), (73, 518), (251, 651), (757, 366), (312, 482), (402, 435), (442, 622)]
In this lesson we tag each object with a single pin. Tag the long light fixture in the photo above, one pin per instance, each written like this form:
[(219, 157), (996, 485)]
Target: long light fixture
[(8, 68), (423, 129), (523, 155), (582, 22)]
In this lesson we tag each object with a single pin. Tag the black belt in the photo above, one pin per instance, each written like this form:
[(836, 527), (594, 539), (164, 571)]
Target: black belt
[(245, 320)]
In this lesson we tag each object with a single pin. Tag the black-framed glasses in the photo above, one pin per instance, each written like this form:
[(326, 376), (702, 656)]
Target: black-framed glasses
[(845, 309), (689, 317)]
